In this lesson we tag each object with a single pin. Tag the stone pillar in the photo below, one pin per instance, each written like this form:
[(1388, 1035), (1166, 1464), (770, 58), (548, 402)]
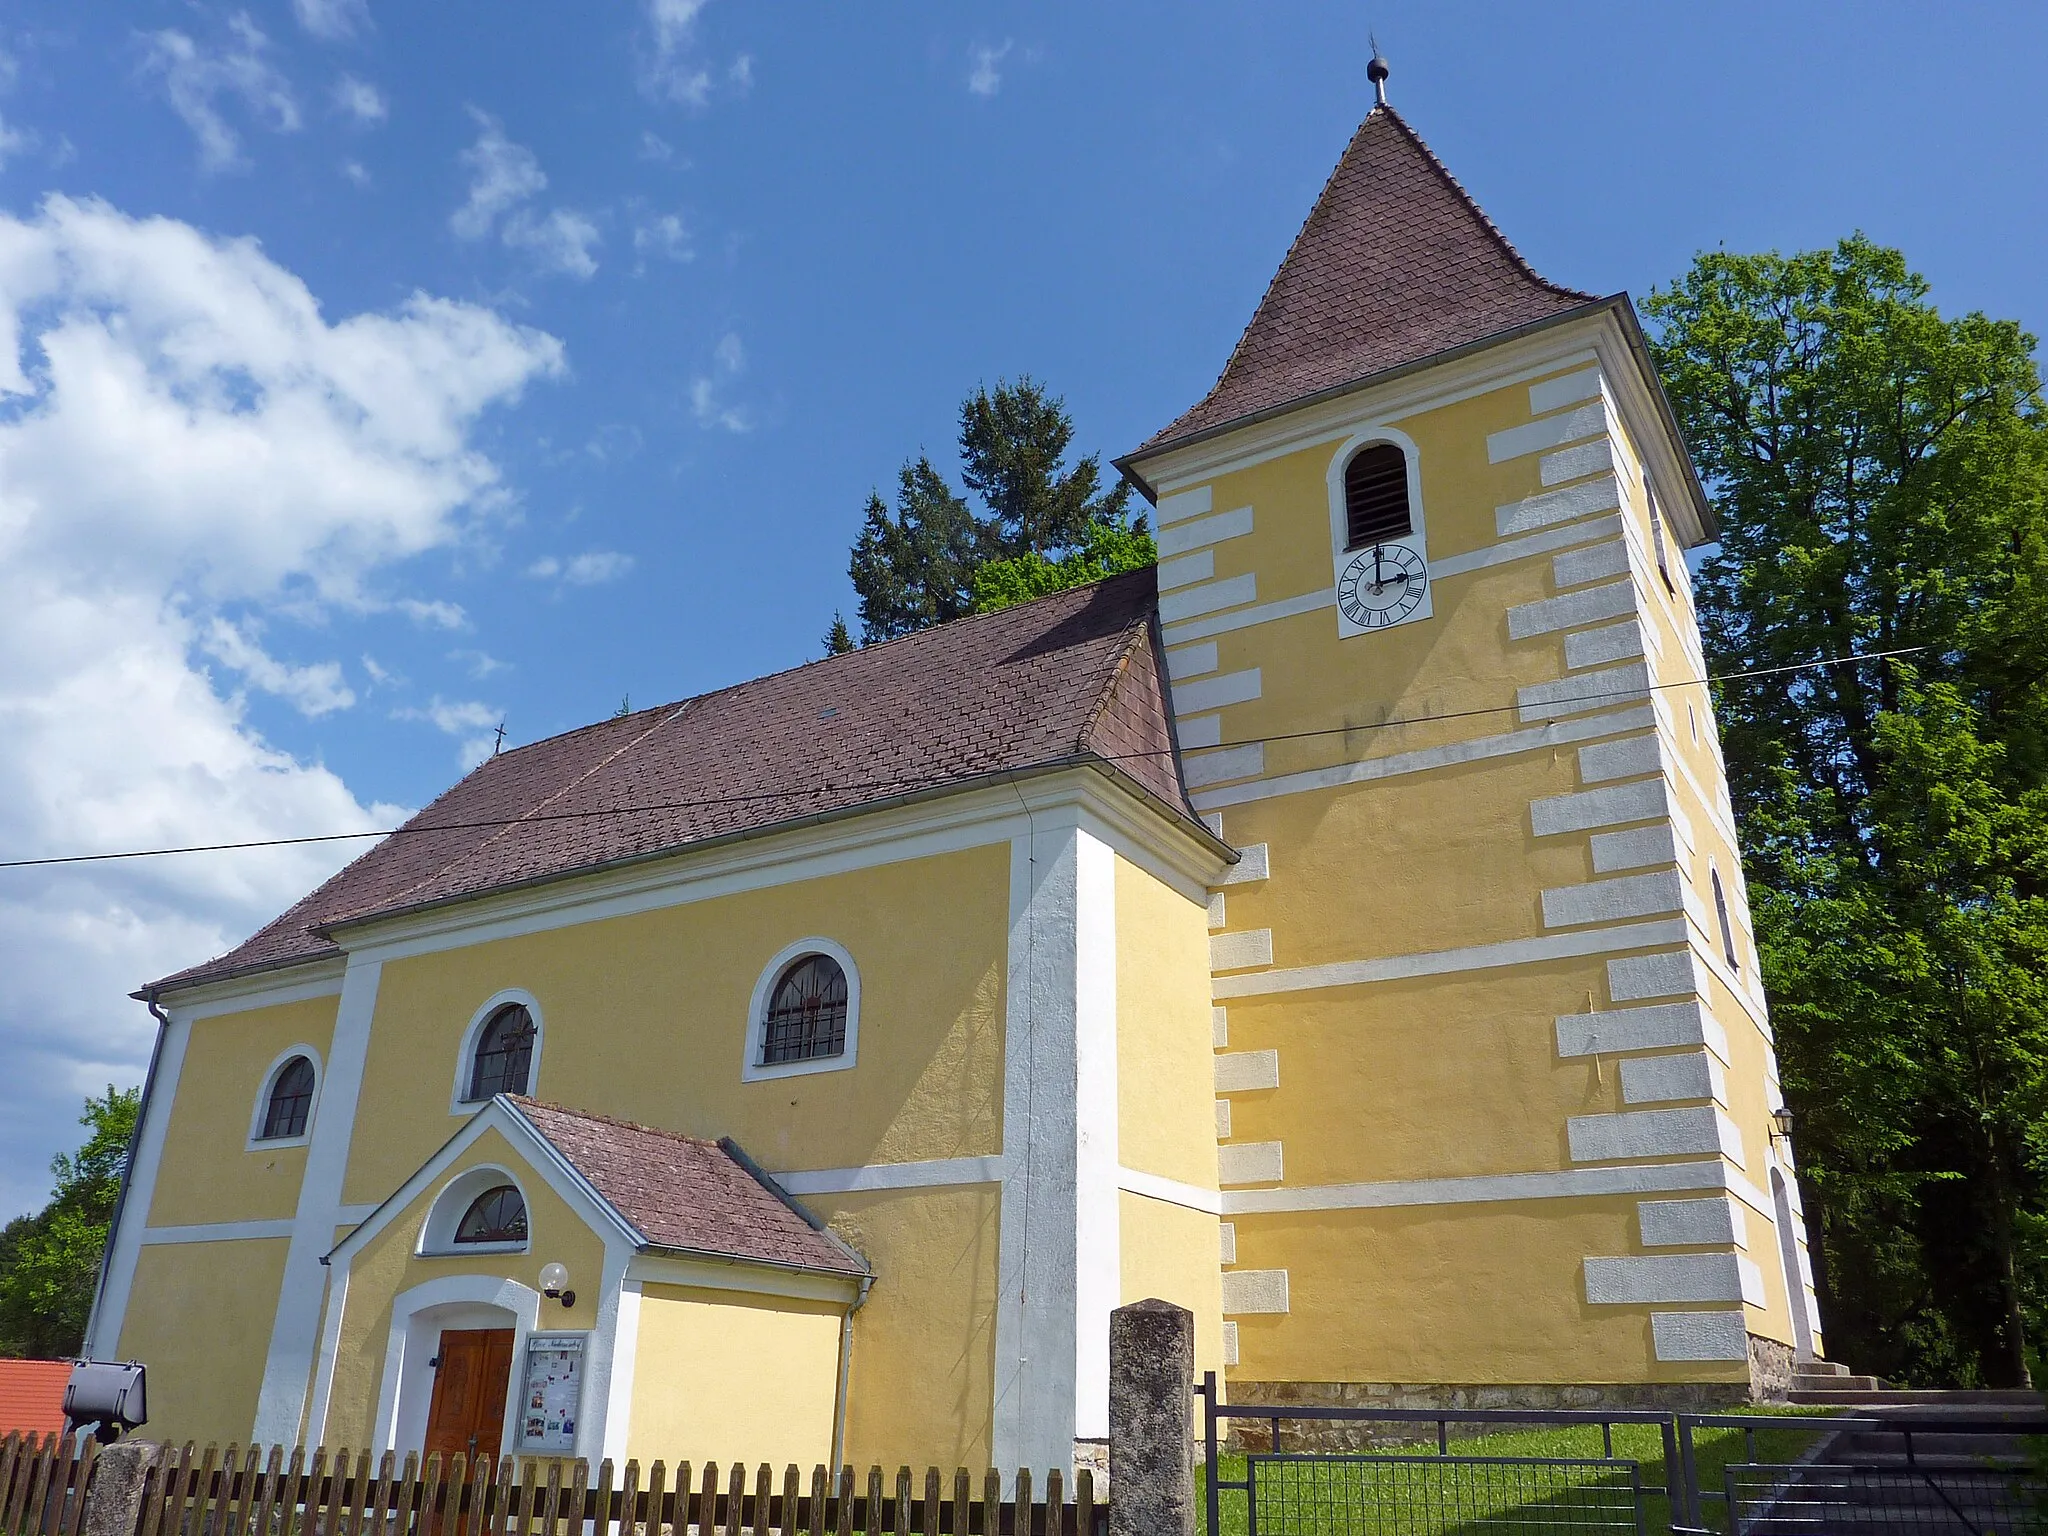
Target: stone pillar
[(113, 1499), (1151, 1420)]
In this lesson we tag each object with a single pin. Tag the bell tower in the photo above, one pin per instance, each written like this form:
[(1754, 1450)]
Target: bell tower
[(1495, 1091)]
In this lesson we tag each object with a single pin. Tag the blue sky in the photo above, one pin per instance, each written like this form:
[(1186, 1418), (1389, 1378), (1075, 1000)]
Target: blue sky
[(572, 339)]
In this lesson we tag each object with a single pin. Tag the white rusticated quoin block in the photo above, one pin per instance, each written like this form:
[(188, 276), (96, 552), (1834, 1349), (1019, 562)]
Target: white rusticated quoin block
[(1215, 692), (1623, 758), (1223, 1119), (1230, 1343), (1589, 605), (1244, 1071), (1231, 592), (1186, 570), (1254, 1290), (1671, 1277), (1577, 462), (1647, 800), (1226, 1241), (1236, 951), (1660, 1079), (1203, 531), (1249, 1162), (1614, 1031), (1567, 389), (1567, 504), (1180, 504), (1596, 562), (1246, 761), (1699, 1335), (1588, 420), (1676, 973), (1634, 848), (1613, 901), (1638, 1133), (1217, 910), (1219, 1026), (1598, 647), (1191, 660), (1194, 732), (1250, 865), (1712, 1222), (1584, 691)]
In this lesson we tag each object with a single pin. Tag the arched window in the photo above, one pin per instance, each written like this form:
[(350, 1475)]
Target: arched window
[(498, 1215), (504, 1053), (290, 1103), (1721, 912), (1376, 496), (806, 1016)]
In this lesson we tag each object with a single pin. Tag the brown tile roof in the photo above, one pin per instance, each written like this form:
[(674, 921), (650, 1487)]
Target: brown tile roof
[(32, 1396), (1395, 264), (1071, 677), (689, 1195)]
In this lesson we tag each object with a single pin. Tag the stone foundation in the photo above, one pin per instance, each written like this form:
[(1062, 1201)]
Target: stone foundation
[(1770, 1369)]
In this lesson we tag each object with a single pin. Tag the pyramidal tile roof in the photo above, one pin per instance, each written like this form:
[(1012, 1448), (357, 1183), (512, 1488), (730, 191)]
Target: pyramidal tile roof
[(1395, 264), (1071, 678)]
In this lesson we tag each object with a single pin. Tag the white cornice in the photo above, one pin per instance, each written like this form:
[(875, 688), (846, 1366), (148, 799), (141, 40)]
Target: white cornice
[(298, 983)]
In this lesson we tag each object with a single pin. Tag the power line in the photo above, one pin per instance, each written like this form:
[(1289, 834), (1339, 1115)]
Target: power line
[(536, 818)]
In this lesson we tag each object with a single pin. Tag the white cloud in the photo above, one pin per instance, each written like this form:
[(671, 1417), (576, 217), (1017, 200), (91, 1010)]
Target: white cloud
[(356, 172), (360, 100), (560, 240), (665, 235), (480, 664), (503, 178), (707, 393), (13, 141), (332, 20), (473, 723), (675, 71), (654, 147), (379, 676), (434, 614), (590, 569), (188, 446), (984, 74), (314, 690), (740, 76), (197, 79)]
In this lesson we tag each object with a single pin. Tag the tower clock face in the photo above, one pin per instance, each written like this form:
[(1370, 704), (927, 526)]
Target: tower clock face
[(1382, 586)]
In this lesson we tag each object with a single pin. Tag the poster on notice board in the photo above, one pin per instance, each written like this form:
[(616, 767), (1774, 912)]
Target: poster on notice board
[(551, 1392)]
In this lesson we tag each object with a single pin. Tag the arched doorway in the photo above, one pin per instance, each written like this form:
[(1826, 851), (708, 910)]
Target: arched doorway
[(1788, 1258)]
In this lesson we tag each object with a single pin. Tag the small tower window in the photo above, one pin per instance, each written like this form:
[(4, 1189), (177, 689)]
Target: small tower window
[(1721, 913), (1657, 538), (291, 1101), (1376, 496), (806, 1012), (504, 1054), (498, 1215)]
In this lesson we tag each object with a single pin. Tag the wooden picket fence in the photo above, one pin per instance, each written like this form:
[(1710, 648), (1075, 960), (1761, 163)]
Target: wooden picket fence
[(269, 1493)]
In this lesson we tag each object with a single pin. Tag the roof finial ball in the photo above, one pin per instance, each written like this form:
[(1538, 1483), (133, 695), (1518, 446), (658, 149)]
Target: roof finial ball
[(1377, 73)]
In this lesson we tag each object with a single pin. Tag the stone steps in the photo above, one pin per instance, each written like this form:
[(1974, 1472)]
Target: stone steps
[(1900, 1397)]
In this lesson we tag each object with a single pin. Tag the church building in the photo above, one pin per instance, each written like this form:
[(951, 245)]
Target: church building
[(1338, 930)]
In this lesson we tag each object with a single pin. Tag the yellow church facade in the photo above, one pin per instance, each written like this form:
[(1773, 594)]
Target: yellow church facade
[(1339, 931)]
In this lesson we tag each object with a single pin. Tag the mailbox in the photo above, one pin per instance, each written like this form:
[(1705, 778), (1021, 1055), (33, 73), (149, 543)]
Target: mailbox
[(107, 1394)]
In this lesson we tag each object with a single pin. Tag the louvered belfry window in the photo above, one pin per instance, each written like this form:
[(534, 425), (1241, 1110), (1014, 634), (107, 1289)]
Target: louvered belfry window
[(1376, 496), (806, 1013)]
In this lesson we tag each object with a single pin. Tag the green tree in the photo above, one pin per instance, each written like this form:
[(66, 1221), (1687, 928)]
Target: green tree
[(1106, 549), (1881, 476), (838, 639), (50, 1262), (915, 563)]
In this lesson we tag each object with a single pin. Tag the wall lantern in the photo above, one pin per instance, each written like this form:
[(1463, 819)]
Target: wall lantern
[(554, 1284), (1781, 1123)]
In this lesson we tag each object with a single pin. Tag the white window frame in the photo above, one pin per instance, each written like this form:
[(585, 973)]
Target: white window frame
[(459, 1102), (452, 1203), (752, 1070), (257, 1141), (1417, 538)]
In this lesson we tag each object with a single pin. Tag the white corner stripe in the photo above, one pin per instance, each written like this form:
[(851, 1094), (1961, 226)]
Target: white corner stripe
[(1588, 605), (1244, 761), (1566, 504), (1231, 592), (1215, 692), (925, 1175), (1172, 1191), (1178, 540), (1187, 569), (1572, 1184), (1191, 661), (218, 1232), (1423, 759), (1172, 509), (1568, 389), (1550, 432), (1265, 613), (1477, 957), (1524, 548)]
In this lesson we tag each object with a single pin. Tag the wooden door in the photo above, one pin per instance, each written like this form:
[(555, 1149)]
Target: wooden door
[(468, 1410)]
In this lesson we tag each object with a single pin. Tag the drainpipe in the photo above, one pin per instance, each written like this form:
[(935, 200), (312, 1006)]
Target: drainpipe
[(156, 1051), (867, 1283)]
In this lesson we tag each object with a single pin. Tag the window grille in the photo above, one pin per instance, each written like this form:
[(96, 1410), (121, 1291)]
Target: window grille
[(806, 1013), (1376, 496), (498, 1215), (504, 1054), (291, 1101)]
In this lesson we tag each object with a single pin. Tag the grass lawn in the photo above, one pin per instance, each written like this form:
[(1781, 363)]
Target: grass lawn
[(1326, 1500)]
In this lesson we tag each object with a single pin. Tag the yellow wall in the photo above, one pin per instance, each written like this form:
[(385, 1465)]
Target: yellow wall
[(386, 1267), (208, 1172), (721, 1376), (201, 1323), (922, 1386), (1169, 1251), (667, 991), (1165, 1075)]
